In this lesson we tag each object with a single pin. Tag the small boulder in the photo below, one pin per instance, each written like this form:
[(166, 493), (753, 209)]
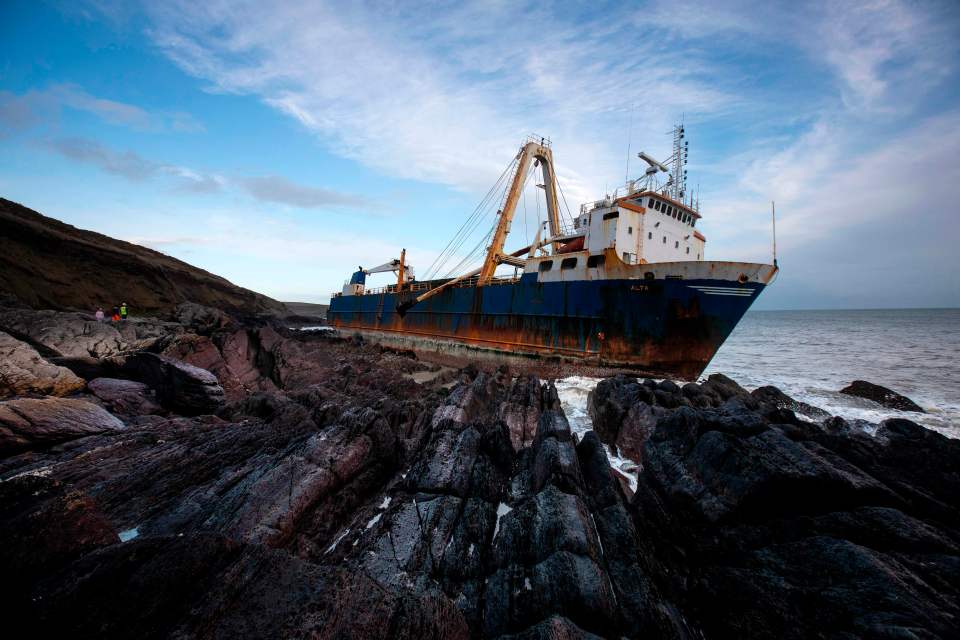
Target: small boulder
[(30, 422), (23, 371), (125, 396), (777, 399), (881, 395)]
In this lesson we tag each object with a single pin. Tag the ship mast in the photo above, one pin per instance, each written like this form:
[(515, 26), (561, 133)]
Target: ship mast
[(534, 150), (677, 186)]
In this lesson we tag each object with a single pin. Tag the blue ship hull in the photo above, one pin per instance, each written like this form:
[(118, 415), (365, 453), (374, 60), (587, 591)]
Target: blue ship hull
[(671, 327)]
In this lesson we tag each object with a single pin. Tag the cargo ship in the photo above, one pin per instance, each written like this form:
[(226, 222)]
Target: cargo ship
[(622, 286)]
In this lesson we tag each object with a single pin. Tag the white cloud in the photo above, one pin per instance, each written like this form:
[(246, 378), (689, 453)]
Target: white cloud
[(273, 189), (280, 190), (133, 166), (21, 111), (906, 181), (444, 96), (886, 52)]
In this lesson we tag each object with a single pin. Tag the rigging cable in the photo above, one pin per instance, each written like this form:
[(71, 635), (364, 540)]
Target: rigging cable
[(468, 227)]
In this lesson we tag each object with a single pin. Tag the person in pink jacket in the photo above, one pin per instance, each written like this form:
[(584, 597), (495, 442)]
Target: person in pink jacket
[(99, 314)]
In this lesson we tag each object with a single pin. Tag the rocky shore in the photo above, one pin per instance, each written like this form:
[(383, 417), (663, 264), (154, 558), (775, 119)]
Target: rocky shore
[(204, 475)]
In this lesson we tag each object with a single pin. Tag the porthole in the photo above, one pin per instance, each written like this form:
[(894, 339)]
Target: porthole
[(568, 263), (546, 265)]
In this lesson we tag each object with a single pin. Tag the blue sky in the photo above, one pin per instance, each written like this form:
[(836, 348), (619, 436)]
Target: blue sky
[(281, 144)]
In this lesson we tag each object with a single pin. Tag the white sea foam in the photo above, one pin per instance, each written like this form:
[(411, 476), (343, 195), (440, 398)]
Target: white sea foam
[(810, 356), (502, 510)]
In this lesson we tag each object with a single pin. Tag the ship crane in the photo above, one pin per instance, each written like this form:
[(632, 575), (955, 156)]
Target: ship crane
[(534, 151), (399, 266)]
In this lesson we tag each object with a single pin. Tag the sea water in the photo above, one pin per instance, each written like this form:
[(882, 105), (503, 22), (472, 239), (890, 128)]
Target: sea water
[(811, 355)]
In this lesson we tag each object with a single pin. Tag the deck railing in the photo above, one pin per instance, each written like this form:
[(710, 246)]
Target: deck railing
[(420, 287)]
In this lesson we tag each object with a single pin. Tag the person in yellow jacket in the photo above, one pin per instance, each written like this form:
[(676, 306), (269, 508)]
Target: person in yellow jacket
[(123, 310)]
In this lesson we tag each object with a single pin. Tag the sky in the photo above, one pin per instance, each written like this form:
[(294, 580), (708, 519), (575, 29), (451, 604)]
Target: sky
[(280, 144)]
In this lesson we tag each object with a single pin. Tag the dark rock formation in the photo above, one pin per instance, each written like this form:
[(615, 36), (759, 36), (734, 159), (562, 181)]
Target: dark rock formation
[(51, 265), (791, 530), (881, 395), (179, 386), (24, 372), (34, 422), (63, 334), (322, 492), (770, 395), (201, 319)]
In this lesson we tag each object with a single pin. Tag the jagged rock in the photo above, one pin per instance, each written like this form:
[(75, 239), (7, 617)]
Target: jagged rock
[(23, 371), (625, 412), (775, 397), (201, 319), (349, 501), (179, 386), (722, 388), (34, 422), (67, 334), (234, 362), (609, 403), (522, 410), (125, 396), (799, 530), (881, 395)]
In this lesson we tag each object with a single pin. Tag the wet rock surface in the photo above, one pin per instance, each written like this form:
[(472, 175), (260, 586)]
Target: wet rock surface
[(322, 492), (881, 395)]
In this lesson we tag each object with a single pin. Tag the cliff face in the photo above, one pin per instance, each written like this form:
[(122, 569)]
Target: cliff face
[(51, 265)]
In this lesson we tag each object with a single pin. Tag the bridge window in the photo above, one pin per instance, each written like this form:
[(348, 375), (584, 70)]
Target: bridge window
[(630, 231), (650, 235), (688, 249), (676, 245), (546, 265), (664, 239), (596, 261), (568, 263)]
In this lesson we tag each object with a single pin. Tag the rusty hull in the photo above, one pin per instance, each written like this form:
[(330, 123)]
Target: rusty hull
[(666, 320)]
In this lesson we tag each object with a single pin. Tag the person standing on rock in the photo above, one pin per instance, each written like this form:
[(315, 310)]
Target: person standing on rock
[(123, 310), (99, 314), (116, 315)]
